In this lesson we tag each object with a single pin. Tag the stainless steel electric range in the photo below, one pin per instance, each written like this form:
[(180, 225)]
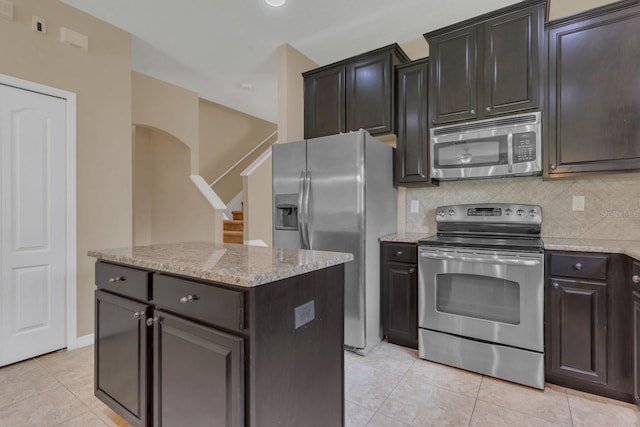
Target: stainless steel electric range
[(481, 293)]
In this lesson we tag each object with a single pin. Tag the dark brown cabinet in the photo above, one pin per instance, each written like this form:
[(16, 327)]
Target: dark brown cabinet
[(635, 298), (412, 124), (399, 271), (198, 374), (593, 92), (122, 356), (179, 351), (487, 66), (353, 94), (587, 323)]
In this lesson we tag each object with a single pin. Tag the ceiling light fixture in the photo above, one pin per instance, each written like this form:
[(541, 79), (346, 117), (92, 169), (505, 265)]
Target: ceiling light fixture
[(275, 3)]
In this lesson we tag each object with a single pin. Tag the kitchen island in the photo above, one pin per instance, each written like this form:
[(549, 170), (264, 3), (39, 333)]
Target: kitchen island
[(224, 335)]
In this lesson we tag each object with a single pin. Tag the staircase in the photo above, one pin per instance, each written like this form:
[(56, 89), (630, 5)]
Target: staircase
[(234, 228)]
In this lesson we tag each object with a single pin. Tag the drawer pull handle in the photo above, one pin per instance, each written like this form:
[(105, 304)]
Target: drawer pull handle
[(635, 278), (151, 322), (555, 285), (138, 314), (116, 279), (188, 298), (577, 266)]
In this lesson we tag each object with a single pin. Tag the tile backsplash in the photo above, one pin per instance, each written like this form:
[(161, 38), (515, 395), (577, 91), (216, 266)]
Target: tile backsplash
[(612, 205)]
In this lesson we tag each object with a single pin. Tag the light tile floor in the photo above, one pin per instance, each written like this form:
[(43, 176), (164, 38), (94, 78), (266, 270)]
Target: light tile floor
[(388, 387)]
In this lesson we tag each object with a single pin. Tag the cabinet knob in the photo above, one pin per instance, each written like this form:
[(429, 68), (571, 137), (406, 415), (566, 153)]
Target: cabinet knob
[(552, 167), (488, 109), (412, 270), (635, 278), (556, 285), (472, 111), (116, 279), (577, 266), (138, 314), (188, 298), (151, 322), (398, 253)]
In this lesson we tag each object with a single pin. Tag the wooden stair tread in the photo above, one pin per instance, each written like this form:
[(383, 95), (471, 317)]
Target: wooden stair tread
[(237, 215), (233, 225)]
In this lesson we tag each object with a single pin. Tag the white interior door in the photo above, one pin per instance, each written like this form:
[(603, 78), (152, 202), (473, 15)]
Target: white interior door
[(33, 203)]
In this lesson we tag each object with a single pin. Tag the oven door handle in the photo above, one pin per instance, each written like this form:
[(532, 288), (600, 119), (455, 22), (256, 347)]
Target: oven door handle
[(492, 260)]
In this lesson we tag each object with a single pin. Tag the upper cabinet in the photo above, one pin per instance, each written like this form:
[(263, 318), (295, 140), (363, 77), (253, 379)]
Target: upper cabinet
[(412, 124), (594, 92), (353, 94), (487, 66)]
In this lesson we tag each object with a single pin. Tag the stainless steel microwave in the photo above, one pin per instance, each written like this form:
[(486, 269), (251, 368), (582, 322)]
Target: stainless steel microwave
[(487, 148)]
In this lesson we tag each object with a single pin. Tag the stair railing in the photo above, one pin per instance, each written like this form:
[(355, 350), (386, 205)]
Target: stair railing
[(271, 135)]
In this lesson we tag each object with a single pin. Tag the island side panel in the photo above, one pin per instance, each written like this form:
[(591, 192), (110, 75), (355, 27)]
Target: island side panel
[(297, 374)]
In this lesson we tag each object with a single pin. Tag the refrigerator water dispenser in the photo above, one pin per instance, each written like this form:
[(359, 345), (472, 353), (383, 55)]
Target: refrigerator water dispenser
[(286, 211)]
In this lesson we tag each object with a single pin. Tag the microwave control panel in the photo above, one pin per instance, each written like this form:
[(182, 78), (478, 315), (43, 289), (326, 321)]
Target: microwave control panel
[(524, 147)]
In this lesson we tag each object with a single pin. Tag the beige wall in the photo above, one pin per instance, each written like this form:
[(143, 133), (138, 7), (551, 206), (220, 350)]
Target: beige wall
[(166, 204), (291, 65), (257, 207), (101, 78), (164, 106), (562, 8), (225, 136)]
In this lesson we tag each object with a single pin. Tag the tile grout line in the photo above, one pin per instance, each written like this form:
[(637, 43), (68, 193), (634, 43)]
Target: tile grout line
[(390, 393), (476, 400)]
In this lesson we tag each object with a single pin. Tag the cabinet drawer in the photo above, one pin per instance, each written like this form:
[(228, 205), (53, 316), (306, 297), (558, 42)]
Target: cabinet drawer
[(200, 301), (126, 281), (400, 252), (579, 265)]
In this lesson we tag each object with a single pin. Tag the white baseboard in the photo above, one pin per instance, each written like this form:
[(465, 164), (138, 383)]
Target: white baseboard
[(255, 243), (83, 341)]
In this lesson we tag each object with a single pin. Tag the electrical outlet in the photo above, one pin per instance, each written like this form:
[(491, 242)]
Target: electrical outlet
[(304, 313), (38, 25), (578, 203), (415, 206)]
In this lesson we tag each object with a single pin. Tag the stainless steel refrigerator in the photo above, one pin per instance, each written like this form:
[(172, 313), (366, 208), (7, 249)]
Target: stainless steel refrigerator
[(336, 193)]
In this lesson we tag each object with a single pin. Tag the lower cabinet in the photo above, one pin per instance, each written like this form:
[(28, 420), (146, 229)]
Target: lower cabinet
[(122, 356), (400, 293), (588, 323), (171, 351), (635, 298), (198, 373)]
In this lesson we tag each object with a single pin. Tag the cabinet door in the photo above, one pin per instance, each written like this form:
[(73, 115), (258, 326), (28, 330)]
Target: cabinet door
[(578, 332), (412, 124), (453, 81), (324, 97), (512, 61), (400, 303), (121, 353), (636, 347), (594, 95), (369, 94), (198, 374)]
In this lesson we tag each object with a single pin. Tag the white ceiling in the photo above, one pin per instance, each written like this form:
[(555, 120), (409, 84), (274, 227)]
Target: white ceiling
[(213, 47)]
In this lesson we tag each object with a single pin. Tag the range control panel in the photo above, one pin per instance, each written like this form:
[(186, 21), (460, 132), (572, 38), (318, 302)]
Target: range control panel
[(490, 212)]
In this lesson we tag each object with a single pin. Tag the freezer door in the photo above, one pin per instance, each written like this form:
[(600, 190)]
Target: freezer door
[(335, 168), (288, 167)]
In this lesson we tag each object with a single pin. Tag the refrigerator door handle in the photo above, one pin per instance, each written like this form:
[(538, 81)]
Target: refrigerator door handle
[(301, 221), (306, 209)]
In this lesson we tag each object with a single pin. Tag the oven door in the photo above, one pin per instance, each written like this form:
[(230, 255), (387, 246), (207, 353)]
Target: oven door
[(486, 295)]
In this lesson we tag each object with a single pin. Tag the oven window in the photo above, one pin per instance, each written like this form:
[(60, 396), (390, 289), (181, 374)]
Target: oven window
[(480, 297), (481, 152)]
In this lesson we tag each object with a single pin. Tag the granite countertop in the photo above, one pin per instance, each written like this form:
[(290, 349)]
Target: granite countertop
[(235, 264), (404, 237), (627, 247)]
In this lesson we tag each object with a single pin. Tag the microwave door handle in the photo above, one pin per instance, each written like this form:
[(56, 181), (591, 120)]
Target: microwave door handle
[(510, 151)]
